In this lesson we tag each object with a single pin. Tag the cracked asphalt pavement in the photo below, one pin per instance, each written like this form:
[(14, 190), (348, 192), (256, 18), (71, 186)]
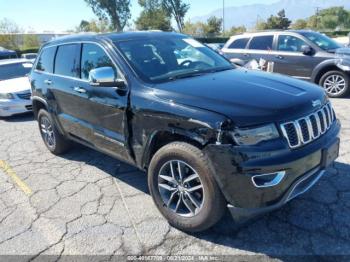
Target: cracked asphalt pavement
[(86, 203)]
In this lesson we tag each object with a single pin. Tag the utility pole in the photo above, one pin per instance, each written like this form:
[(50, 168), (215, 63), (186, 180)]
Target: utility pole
[(223, 16), (317, 15)]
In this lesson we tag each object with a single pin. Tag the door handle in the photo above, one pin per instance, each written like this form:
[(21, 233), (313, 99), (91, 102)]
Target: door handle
[(48, 82), (246, 55), (79, 90), (279, 56)]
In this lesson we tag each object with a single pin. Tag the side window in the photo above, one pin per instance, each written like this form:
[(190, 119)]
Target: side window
[(239, 43), (67, 60), (93, 57), (261, 42), (45, 61), (289, 43)]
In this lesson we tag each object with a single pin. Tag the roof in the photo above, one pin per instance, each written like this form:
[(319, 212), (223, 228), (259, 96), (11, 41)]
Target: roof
[(264, 32), (14, 61), (113, 36), (6, 51)]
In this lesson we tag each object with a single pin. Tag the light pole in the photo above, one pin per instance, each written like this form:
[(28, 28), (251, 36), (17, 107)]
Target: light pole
[(223, 16)]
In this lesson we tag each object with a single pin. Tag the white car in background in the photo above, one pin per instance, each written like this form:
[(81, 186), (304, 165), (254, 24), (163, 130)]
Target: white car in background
[(30, 56), (15, 92)]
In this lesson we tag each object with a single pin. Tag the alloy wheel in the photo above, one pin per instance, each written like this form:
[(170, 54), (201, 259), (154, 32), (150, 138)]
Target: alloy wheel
[(47, 132), (334, 84), (181, 188)]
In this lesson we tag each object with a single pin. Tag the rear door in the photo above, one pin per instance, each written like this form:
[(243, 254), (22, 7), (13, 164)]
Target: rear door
[(261, 47), (236, 49), (43, 72), (73, 108)]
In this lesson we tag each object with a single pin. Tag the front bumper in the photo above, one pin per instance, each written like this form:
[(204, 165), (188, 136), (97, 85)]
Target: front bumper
[(14, 107), (236, 166)]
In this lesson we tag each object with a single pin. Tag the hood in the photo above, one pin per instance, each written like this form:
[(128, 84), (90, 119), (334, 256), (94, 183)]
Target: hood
[(15, 85), (344, 51), (247, 97), (343, 58)]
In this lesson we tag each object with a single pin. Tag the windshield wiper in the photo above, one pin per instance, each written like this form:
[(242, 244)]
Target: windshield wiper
[(215, 70), (187, 75)]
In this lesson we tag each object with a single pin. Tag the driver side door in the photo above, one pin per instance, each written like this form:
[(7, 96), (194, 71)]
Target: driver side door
[(290, 60), (108, 105)]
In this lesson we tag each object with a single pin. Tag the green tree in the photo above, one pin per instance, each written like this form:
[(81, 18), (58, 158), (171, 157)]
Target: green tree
[(84, 26), (116, 11), (8, 29), (300, 24), (313, 22), (98, 26), (194, 29), (30, 41), (279, 21), (261, 25), (153, 16), (334, 17), (330, 18), (178, 10), (213, 26), (235, 30)]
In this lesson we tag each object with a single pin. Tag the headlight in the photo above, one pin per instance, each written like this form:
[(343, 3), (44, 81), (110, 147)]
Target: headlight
[(6, 96), (253, 136)]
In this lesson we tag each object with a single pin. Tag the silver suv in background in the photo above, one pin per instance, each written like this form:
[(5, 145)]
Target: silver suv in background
[(303, 54)]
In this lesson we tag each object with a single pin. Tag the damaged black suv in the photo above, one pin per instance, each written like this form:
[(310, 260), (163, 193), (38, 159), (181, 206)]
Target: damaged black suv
[(210, 136)]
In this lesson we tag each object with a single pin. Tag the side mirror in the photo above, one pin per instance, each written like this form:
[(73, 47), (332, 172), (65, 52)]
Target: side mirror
[(105, 76), (307, 50)]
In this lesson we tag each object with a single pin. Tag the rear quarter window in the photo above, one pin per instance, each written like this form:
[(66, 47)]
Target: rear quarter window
[(261, 42), (240, 43), (46, 60)]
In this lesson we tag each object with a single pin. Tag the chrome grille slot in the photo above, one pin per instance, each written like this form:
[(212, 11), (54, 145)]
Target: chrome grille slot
[(309, 128)]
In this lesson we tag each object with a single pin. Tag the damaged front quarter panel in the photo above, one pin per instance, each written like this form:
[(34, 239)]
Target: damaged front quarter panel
[(154, 125)]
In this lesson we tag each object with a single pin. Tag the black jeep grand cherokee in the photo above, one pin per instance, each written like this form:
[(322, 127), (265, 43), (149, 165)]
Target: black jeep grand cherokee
[(210, 136)]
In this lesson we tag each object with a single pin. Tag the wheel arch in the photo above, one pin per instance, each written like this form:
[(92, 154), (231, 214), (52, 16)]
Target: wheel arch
[(38, 104), (324, 67), (160, 138)]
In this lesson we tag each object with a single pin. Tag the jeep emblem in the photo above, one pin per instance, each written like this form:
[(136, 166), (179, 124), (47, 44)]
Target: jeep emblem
[(316, 103)]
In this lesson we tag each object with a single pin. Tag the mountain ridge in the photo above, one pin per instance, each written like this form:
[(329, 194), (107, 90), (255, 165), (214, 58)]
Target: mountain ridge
[(248, 15)]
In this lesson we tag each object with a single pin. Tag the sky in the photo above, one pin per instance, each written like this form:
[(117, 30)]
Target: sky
[(63, 15)]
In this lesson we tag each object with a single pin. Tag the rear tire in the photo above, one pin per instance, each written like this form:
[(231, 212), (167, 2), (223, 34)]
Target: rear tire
[(192, 201), (54, 141), (335, 83)]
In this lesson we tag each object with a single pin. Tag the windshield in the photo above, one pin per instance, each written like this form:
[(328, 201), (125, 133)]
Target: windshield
[(16, 70), (322, 41), (166, 59)]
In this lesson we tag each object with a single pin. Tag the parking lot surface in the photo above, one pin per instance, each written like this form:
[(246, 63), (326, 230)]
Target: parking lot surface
[(86, 203)]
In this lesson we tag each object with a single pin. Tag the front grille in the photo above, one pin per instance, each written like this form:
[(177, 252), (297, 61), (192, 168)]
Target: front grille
[(25, 96), (309, 128)]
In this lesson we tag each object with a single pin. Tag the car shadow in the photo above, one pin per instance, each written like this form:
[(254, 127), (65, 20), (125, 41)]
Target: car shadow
[(317, 222), (26, 117)]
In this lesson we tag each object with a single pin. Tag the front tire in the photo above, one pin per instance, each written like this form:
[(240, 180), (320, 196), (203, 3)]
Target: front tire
[(54, 141), (183, 187), (335, 83)]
